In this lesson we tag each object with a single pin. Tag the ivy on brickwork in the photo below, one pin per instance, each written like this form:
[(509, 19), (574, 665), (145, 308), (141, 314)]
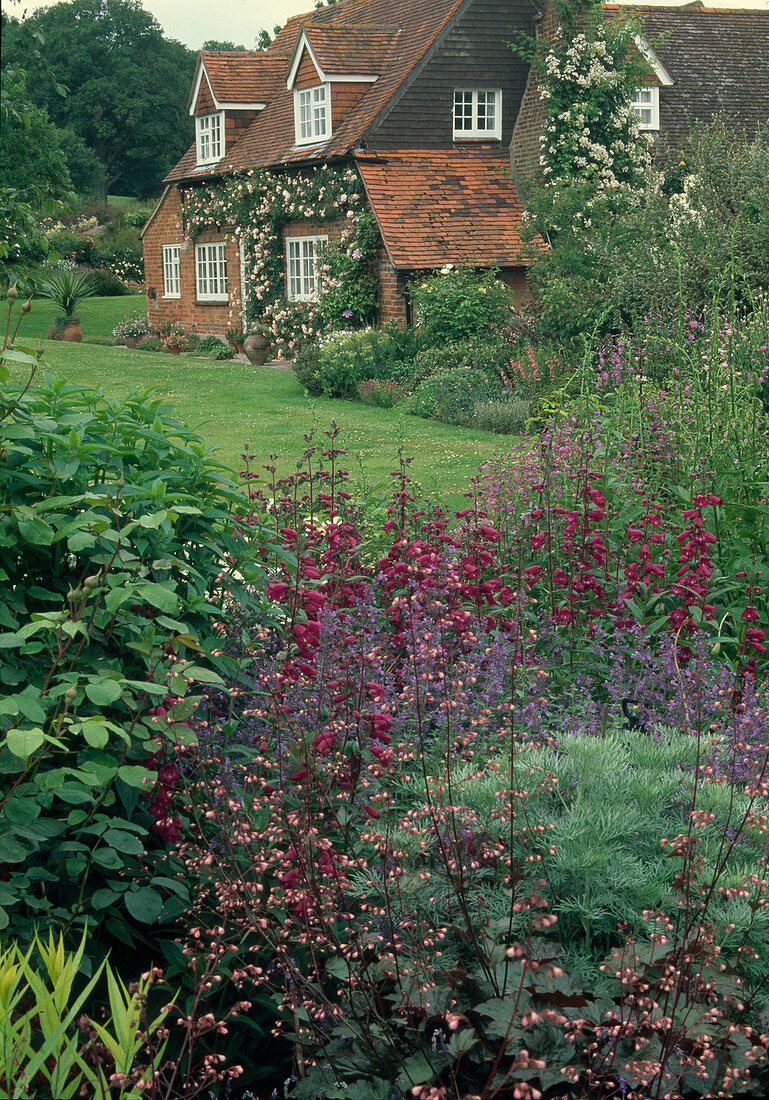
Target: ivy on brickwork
[(255, 206)]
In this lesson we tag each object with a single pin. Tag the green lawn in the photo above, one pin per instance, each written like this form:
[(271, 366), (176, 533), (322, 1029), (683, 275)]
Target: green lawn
[(98, 316), (232, 404)]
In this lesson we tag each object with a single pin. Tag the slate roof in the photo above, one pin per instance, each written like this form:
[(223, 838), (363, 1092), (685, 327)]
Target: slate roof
[(242, 76), (718, 59), (438, 206), (414, 25)]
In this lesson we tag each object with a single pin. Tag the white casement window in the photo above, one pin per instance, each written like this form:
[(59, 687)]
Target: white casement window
[(172, 271), (209, 137), (646, 104), (477, 113), (312, 114), (211, 272), (303, 279)]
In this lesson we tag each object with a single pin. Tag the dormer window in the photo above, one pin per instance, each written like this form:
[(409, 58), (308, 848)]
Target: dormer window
[(646, 104), (477, 113), (312, 114), (209, 137)]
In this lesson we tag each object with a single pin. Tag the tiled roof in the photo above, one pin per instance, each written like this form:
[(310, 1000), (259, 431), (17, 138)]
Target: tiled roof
[(718, 59), (455, 206), (242, 76), (414, 25), (357, 50)]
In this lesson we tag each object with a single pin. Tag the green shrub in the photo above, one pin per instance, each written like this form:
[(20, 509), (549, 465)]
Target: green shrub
[(222, 352), (107, 284), (453, 305), (336, 364), (382, 395), (476, 353), (208, 344), (451, 396), (115, 524), (505, 416), (151, 343)]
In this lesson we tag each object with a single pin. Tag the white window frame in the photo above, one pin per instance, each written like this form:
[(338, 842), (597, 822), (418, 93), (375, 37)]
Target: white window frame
[(477, 113), (647, 99), (172, 271), (302, 277), (209, 137), (211, 283), (312, 114)]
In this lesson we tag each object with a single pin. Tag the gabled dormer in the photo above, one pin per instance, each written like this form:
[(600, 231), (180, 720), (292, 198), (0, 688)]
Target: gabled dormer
[(330, 70), (229, 90), (646, 102)]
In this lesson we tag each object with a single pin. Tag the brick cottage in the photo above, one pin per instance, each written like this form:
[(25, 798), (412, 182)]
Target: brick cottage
[(441, 122)]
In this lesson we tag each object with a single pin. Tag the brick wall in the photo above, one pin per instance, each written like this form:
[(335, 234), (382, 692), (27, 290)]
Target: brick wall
[(391, 298), (517, 279), (526, 146), (200, 317)]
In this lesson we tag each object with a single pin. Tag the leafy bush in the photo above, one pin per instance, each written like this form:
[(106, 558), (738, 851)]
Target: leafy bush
[(381, 395), (208, 344), (454, 304), (116, 531), (505, 416), (132, 326), (451, 396), (699, 228), (334, 365), (107, 284), (476, 353), (151, 343), (222, 352)]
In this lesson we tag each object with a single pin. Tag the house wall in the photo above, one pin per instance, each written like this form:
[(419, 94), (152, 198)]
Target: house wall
[(200, 317), (391, 297), (475, 54), (526, 143)]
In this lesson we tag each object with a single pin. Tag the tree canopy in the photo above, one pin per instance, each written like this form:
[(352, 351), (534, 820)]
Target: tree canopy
[(127, 86)]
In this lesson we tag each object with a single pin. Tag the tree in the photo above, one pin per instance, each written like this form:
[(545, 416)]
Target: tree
[(127, 85), (31, 155), (213, 44)]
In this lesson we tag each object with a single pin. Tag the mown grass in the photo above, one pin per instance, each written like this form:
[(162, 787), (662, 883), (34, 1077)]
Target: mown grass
[(233, 404), (98, 316)]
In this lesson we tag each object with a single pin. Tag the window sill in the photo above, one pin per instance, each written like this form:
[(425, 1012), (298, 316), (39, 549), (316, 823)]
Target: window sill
[(170, 297), (477, 137), (211, 301)]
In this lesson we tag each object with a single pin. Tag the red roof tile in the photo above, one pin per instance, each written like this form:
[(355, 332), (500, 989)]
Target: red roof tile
[(351, 50), (242, 76), (414, 25), (446, 206)]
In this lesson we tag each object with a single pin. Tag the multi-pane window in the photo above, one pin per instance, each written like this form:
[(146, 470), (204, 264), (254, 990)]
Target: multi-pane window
[(209, 136), (312, 115), (646, 104), (171, 271), (211, 272), (477, 113), (303, 280)]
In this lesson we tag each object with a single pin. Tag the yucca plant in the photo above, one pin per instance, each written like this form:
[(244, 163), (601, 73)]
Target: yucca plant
[(68, 288)]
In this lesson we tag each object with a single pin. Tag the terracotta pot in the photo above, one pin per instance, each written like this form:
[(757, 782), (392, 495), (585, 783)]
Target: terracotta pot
[(239, 347), (131, 341), (257, 348), (175, 349), (72, 332)]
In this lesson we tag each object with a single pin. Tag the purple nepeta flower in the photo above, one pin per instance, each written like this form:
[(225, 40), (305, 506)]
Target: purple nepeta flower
[(347, 313), (356, 254)]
